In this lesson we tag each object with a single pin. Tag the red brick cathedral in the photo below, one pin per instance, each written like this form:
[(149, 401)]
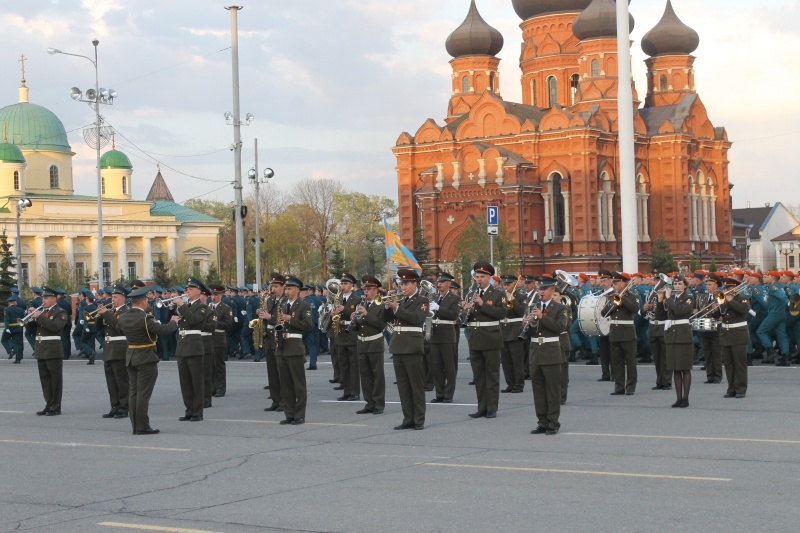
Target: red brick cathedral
[(551, 162)]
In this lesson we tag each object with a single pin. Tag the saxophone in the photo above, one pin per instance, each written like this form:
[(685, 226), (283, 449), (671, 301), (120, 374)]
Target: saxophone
[(257, 325), (279, 327)]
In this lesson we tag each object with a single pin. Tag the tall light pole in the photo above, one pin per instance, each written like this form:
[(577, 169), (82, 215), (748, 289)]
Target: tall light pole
[(543, 243), (94, 97), (254, 179), (627, 159), (786, 253), (22, 203)]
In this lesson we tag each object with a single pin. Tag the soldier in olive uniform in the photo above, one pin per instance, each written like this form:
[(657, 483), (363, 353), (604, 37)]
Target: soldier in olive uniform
[(222, 317), (368, 324), (89, 333), (30, 327), (190, 349), (678, 337), (49, 351), (622, 335), (484, 314), (296, 319), (346, 342), (561, 295), (733, 339), (655, 334), (446, 308), (709, 340), (513, 351), (141, 331), (269, 316), (207, 332), (12, 333), (116, 347), (408, 348), (549, 322)]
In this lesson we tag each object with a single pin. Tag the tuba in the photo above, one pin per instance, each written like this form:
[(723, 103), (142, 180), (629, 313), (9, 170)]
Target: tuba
[(652, 298), (463, 318), (794, 305), (325, 319), (565, 280)]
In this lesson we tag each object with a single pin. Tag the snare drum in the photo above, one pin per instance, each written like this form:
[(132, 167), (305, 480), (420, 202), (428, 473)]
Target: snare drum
[(704, 324), (590, 319)]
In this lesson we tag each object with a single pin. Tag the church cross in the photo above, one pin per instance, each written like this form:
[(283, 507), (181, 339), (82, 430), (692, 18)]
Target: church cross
[(450, 219), (22, 59)]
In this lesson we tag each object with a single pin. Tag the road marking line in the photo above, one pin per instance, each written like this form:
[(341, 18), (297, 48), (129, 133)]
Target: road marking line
[(154, 528), (86, 445), (398, 403), (277, 422), (583, 472), (674, 437), (13, 412)]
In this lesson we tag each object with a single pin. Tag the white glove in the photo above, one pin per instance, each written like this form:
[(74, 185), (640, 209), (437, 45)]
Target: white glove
[(8, 331), (243, 312), (236, 319), (87, 330), (434, 306), (81, 322)]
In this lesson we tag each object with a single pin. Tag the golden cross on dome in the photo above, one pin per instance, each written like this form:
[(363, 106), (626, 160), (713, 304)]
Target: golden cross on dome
[(22, 59), (113, 141), (5, 132)]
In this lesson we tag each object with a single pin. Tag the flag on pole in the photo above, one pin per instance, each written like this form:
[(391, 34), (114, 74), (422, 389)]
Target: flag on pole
[(396, 252)]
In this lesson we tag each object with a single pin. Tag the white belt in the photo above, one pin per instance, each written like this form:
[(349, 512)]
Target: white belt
[(542, 340), (436, 321), (656, 322), (681, 321), (118, 338), (622, 322), (345, 322), (205, 333), (736, 325), (483, 324), (510, 320), (48, 338), (292, 335), (185, 332), (371, 337), (397, 328), (269, 326)]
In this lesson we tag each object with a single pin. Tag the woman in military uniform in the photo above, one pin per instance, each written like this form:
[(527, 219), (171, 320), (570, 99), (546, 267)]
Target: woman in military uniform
[(678, 337)]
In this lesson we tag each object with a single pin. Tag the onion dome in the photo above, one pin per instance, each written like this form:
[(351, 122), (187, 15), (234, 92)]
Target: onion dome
[(474, 37), (10, 154), (598, 20), (33, 127), (115, 159), (670, 36), (533, 8)]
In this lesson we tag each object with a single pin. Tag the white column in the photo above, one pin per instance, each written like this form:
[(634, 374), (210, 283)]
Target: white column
[(69, 250), (610, 214), (547, 198), (456, 174), (482, 172), (440, 176), (693, 216), (147, 258), (601, 233), (172, 252), (122, 258), (713, 207), (645, 218), (500, 170), (567, 225), (40, 252)]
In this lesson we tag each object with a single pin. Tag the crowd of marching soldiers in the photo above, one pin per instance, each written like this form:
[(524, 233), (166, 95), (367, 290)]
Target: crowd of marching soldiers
[(531, 327)]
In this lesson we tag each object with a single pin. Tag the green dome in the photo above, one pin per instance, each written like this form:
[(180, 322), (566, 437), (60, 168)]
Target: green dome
[(33, 127), (10, 154), (115, 159)]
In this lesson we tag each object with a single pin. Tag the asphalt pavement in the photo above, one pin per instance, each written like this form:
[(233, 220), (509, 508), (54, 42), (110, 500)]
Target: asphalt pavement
[(620, 463)]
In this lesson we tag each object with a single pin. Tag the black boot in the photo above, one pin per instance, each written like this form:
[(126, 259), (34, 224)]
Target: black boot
[(593, 360)]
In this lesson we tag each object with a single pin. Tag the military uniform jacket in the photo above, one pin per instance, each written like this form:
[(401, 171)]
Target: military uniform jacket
[(660, 313), (240, 312), (679, 309), (512, 324), (13, 315), (344, 338), (142, 331), (622, 332), (552, 324), (269, 325), (78, 310), (114, 349), (372, 324), (449, 309), (492, 310), (293, 331), (222, 319), (411, 313), (734, 312), (190, 341), (64, 304), (50, 324), (88, 324)]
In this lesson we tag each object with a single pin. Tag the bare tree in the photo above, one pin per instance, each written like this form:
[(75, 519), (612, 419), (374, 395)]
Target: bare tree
[(318, 219)]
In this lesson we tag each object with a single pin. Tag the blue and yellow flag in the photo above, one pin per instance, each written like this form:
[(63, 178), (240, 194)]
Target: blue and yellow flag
[(396, 252)]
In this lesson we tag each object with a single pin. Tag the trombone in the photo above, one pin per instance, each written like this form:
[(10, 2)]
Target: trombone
[(616, 299), (91, 315), (719, 299)]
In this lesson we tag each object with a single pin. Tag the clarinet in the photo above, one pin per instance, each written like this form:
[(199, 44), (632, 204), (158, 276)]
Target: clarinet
[(528, 317)]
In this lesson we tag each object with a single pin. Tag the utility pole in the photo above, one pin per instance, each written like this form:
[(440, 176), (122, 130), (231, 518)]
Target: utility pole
[(237, 146), (627, 168)]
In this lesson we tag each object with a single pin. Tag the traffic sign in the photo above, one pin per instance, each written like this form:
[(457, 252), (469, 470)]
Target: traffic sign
[(492, 215), (491, 230)]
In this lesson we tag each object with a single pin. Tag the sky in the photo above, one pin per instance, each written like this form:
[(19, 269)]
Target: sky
[(333, 83)]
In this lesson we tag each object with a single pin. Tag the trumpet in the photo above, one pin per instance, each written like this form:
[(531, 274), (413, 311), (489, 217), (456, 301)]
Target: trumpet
[(510, 295), (91, 315), (719, 299), (29, 317), (388, 298), (166, 301)]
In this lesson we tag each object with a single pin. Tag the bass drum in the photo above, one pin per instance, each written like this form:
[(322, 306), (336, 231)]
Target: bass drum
[(590, 319)]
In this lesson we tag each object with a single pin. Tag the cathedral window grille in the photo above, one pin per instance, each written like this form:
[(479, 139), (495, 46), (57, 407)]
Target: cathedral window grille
[(552, 91), (573, 82), (16, 180), (662, 82), (559, 218), (53, 177), (103, 185), (465, 84), (491, 82), (124, 185), (595, 68), (533, 92)]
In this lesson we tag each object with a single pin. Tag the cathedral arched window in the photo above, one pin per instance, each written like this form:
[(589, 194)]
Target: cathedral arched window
[(552, 91), (124, 185), (16, 180), (465, 84), (605, 208), (491, 82), (559, 215), (53, 177), (103, 185), (595, 68), (573, 87), (533, 92), (662, 82)]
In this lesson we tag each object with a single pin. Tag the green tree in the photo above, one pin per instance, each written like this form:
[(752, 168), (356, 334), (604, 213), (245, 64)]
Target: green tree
[(473, 245), (213, 274), (712, 267), (662, 260), (421, 249), (8, 277), (359, 229), (694, 264), (336, 263), (161, 272)]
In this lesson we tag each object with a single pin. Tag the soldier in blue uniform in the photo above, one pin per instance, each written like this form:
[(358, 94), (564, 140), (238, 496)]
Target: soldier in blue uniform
[(89, 332), (77, 330), (774, 325), (65, 304), (311, 337), (12, 330)]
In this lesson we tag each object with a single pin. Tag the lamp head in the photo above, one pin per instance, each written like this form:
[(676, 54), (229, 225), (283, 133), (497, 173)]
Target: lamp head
[(228, 116), (252, 174), (24, 202), (536, 235), (112, 94), (249, 118), (91, 94), (75, 93), (53, 51), (268, 173), (550, 235)]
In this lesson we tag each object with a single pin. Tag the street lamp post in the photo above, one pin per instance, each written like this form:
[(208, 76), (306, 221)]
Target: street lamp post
[(744, 250), (543, 243), (786, 253), (701, 253), (22, 203), (94, 97), (256, 181)]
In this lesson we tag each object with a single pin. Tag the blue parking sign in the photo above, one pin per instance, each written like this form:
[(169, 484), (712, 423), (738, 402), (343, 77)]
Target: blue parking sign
[(492, 215)]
